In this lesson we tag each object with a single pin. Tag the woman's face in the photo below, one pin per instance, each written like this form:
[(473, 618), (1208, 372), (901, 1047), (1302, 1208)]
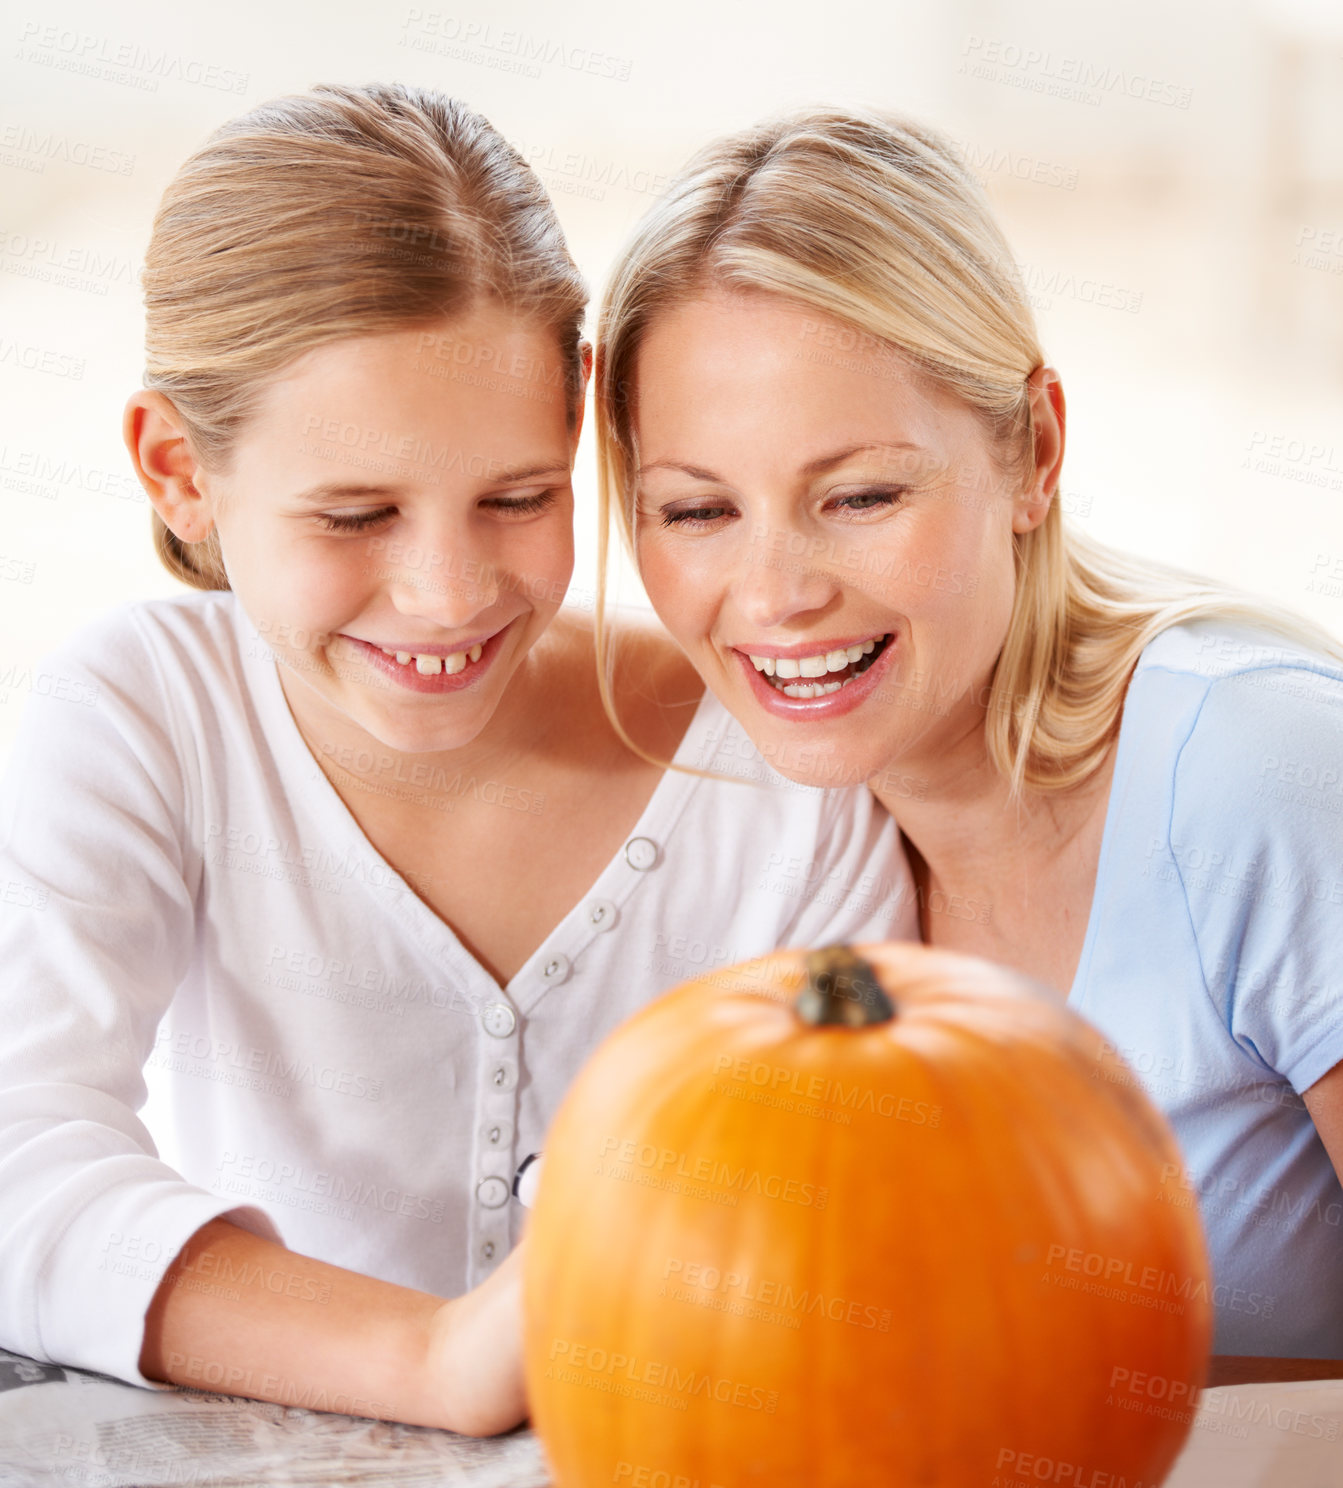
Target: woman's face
[(397, 522), (826, 533)]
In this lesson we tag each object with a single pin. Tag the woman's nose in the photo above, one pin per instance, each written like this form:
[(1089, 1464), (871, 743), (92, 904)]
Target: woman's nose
[(782, 576)]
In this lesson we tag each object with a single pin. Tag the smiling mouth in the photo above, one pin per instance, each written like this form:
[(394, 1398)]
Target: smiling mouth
[(819, 674)]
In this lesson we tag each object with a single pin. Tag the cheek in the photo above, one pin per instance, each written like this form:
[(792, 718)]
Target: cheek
[(312, 586), (534, 565), (674, 590)]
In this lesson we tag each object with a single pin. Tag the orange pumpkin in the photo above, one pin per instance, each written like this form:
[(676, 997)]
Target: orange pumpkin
[(880, 1216)]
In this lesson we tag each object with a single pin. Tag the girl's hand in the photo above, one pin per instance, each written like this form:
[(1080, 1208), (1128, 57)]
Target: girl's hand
[(475, 1354)]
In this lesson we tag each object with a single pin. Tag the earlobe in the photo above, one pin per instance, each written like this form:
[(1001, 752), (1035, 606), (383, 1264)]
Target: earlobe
[(166, 465)]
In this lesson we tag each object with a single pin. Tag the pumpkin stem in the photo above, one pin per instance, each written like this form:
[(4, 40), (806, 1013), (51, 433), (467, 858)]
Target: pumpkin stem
[(842, 988)]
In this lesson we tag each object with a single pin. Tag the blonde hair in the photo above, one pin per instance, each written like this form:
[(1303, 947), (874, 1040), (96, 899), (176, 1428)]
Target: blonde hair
[(872, 220), (336, 213)]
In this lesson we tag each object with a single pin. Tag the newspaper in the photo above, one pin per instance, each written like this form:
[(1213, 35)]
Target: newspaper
[(66, 1427), (63, 1426)]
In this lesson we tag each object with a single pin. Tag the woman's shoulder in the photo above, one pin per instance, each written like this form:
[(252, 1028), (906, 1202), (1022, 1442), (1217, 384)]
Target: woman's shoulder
[(1247, 696), (1217, 649), (1256, 721)]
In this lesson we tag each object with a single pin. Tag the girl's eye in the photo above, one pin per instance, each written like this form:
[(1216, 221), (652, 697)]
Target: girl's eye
[(354, 521), (521, 506), (866, 501)]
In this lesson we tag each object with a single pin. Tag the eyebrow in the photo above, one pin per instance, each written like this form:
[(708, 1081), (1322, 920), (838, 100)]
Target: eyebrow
[(818, 466), (326, 491)]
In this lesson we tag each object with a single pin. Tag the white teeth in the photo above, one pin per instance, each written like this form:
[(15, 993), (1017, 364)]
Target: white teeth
[(814, 666), (434, 666), (811, 689)]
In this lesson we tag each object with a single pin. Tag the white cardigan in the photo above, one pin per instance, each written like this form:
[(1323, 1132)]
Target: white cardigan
[(188, 911)]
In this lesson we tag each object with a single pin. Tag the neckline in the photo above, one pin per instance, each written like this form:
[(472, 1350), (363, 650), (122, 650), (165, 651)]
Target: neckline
[(617, 880), (1123, 747)]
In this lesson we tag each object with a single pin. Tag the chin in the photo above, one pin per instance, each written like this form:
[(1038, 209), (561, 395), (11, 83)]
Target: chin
[(830, 764), (419, 740)]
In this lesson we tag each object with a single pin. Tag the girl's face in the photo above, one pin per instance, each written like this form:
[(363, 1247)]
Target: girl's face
[(826, 533), (397, 522)]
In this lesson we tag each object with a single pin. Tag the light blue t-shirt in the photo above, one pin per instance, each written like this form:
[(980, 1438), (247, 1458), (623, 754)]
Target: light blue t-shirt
[(1213, 958)]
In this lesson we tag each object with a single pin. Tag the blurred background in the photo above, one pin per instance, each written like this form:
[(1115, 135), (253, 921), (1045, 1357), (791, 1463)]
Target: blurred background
[(1171, 179)]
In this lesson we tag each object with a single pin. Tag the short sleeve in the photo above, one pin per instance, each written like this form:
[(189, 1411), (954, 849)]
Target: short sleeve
[(1257, 834), (97, 931)]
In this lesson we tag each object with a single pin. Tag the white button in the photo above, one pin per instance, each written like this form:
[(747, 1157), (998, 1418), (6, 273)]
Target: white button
[(499, 1019), (601, 914), (556, 969), (487, 1250), (641, 853), (504, 1076), (492, 1192), (497, 1133)]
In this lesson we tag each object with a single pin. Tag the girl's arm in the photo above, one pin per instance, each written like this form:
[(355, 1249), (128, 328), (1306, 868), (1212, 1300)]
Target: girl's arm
[(240, 1314), (100, 867)]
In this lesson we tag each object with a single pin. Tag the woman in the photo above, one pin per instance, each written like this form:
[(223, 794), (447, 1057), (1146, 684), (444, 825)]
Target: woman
[(830, 436), (339, 852)]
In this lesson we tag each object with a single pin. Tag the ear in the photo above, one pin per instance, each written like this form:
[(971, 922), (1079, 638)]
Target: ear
[(166, 465), (1048, 421), (585, 369)]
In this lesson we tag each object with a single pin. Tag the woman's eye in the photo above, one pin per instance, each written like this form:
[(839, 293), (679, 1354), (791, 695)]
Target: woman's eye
[(354, 521), (692, 516), (865, 501)]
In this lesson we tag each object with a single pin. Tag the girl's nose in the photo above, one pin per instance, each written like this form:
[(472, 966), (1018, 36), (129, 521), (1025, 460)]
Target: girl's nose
[(443, 581)]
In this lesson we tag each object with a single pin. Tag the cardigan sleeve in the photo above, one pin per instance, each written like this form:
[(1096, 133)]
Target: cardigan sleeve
[(97, 930)]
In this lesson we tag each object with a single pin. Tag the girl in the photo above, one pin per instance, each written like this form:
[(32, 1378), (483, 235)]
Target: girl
[(339, 855), (829, 434)]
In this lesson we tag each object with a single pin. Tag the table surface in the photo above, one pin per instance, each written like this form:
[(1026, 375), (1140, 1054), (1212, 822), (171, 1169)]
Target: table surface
[(63, 1426)]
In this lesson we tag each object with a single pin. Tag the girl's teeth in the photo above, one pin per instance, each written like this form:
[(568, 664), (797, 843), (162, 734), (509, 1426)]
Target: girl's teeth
[(855, 653), (433, 666), (785, 666)]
